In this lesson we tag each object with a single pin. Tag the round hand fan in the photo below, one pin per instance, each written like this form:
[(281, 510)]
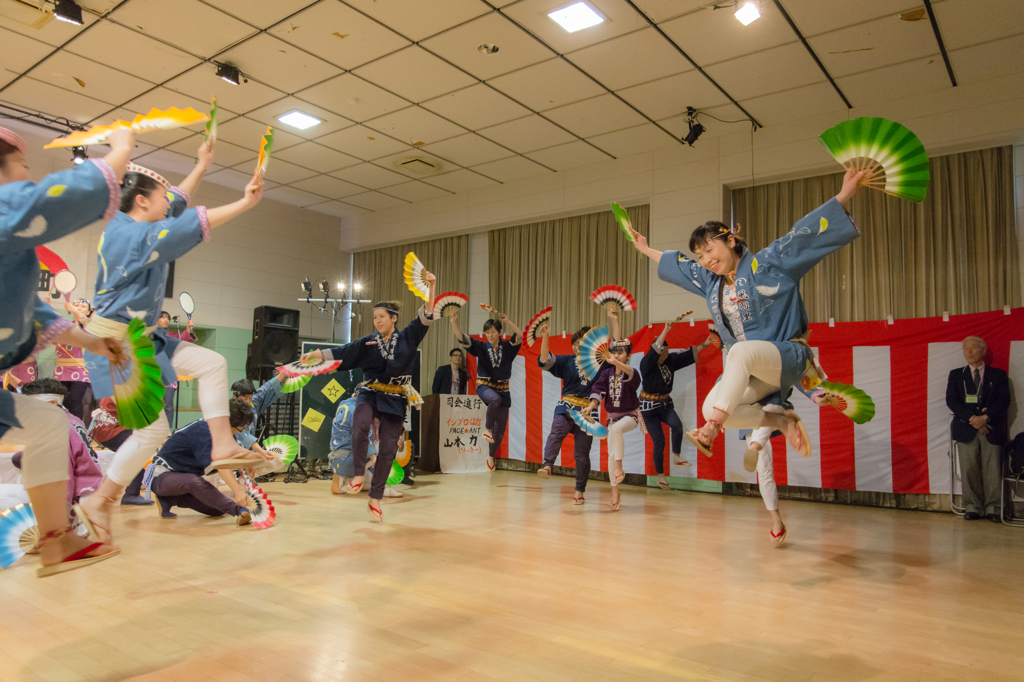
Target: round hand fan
[(397, 474), (414, 276), (622, 218), (614, 298), (298, 369), (65, 282), (591, 428), (138, 386), (850, 400), (533, 327), (284, 445), (592, 351), (895, 160), (188, 306), (292, 384), (448, 303), (18, 533), (260, 507), (489, 309)]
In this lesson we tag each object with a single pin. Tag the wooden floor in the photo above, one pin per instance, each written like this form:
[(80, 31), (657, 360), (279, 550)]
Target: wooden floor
[(499, 577)]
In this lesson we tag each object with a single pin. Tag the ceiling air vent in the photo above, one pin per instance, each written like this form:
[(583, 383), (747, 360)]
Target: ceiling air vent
[(418, 166)]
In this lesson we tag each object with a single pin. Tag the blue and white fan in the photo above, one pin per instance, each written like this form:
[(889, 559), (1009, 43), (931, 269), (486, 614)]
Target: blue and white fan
[(592, 351), (594, 429), (18, 533)]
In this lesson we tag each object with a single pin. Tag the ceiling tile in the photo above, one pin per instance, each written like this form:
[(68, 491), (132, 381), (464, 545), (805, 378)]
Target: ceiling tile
[(262, 13), (278, 64), (86, 77), (329, 122), (400, 163), (279, 171), (295, 197), (246, 132), (547, 85), (527, 134), (162, 98), (970, 22), (187, 24), (670, 96), (165, 161), (468, 150), (774, 70), (661, 10), (416, 126), (896, 81), (874, 44), (988, 60), (316, 157), (812, 21), (595, 116), (638, 140), (710, 36), (6, 77), (54, 33), (415, 191), (368, 175), (229, 177), (792, 105), (224, 153), (339, 34), (39, 96), (329, 187), (202, 82), (461, 181), (336, 209), (374, 201), (418, 20), (475, 107), (18, 52), (516, 47), (108, 43), (567, 156), (362, 143), (511, 169), (619, 18), (415, 74), (634, 58), (353, 97)]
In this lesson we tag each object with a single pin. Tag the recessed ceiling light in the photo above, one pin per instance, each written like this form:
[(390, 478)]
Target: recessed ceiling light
[(67, 10), (487, 48), (747, 14), (297, 119), (576, 17)]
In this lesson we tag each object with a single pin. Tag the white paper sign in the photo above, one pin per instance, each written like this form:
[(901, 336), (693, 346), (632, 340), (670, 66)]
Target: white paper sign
[(461, 445)]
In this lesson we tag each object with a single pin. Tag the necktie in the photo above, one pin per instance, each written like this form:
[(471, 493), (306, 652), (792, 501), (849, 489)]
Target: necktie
[(977, 381)]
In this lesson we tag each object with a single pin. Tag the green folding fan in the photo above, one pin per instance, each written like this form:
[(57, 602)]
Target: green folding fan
[(850, 400), (895, 160), (622, 218), (397, 474), (292, 384), (138, 386), (285, 446)]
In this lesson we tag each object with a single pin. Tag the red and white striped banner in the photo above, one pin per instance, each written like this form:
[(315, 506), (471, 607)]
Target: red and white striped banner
[(902, 366)]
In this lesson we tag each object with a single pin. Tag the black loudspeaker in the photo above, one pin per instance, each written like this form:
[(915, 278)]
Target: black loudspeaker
[(275, 341)]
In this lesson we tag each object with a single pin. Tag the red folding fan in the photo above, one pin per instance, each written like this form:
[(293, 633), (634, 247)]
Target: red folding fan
[(614, 298), (448, 303), (538, 321)]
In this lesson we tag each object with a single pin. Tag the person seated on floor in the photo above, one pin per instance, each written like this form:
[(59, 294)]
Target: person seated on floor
[(181, 462)]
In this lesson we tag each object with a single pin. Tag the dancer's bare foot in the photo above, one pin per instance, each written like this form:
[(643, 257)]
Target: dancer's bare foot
[(616, 498), (663, 481), (678, 460), (94, 512), (751, 455), (789, 424), (617, 473)]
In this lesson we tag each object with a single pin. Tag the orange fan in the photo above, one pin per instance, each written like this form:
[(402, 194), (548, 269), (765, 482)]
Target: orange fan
[(156, 119)]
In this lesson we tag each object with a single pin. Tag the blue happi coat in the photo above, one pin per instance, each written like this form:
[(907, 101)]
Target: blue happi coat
[(265, 396), (768, 285), (574, 382), (132, 262), (32, 214)]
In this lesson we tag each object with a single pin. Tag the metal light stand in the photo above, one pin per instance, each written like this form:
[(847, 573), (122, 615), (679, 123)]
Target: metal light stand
[(336, 305), (177, 383)]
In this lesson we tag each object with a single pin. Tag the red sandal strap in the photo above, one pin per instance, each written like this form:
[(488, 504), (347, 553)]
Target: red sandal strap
[(82, 553)]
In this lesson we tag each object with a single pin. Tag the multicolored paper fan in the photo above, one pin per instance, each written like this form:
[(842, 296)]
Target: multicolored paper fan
[(614, 297), (298, 369), (284, 445), (850, 400), (266, 147), (448, 303), (592, 351), (532, 332), (397, 474), (622, 218), (414, 276), (295, 383), (716, 340), (489, 309), (18, 533), (156, 119), (138, 386), (682, 317), (893, 156), (590, 428), (211, 125), (260, 507)]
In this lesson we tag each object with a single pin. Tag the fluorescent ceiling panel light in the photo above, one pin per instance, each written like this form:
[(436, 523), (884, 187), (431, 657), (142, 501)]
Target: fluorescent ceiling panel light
[(747, 14), (297, 119), (576, 17)]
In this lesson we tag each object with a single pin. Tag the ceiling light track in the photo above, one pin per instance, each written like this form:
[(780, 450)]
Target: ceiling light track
[(57, 124), (938, 39), (810, 51)]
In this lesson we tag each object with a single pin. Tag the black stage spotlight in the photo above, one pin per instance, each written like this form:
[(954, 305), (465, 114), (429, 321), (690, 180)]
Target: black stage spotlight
[(229, 73), (68, 11), (696, 129), (78, 155)]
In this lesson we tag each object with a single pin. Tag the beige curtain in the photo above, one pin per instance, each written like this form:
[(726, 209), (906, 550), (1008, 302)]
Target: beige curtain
[(381, 271), (956, 252), (560, 262)]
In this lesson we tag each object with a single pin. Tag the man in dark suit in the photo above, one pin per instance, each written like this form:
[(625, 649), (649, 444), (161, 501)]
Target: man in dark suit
[(452, 379), (979, 397)]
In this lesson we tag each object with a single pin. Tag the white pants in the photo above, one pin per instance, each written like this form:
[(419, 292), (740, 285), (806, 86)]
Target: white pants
[(43, 438), (211, 369), (765, 469), (753, 370), (617, 437)]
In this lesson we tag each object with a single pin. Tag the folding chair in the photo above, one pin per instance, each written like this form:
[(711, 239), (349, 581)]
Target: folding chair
[(1013, 483), (954, 473)]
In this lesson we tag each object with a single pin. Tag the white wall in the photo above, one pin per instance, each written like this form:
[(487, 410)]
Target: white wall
[(685, 185)]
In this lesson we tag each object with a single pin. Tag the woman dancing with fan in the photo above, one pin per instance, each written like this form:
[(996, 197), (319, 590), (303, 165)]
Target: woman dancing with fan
[(386, 358), (153, 228), (493, 371), (32, 214)]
